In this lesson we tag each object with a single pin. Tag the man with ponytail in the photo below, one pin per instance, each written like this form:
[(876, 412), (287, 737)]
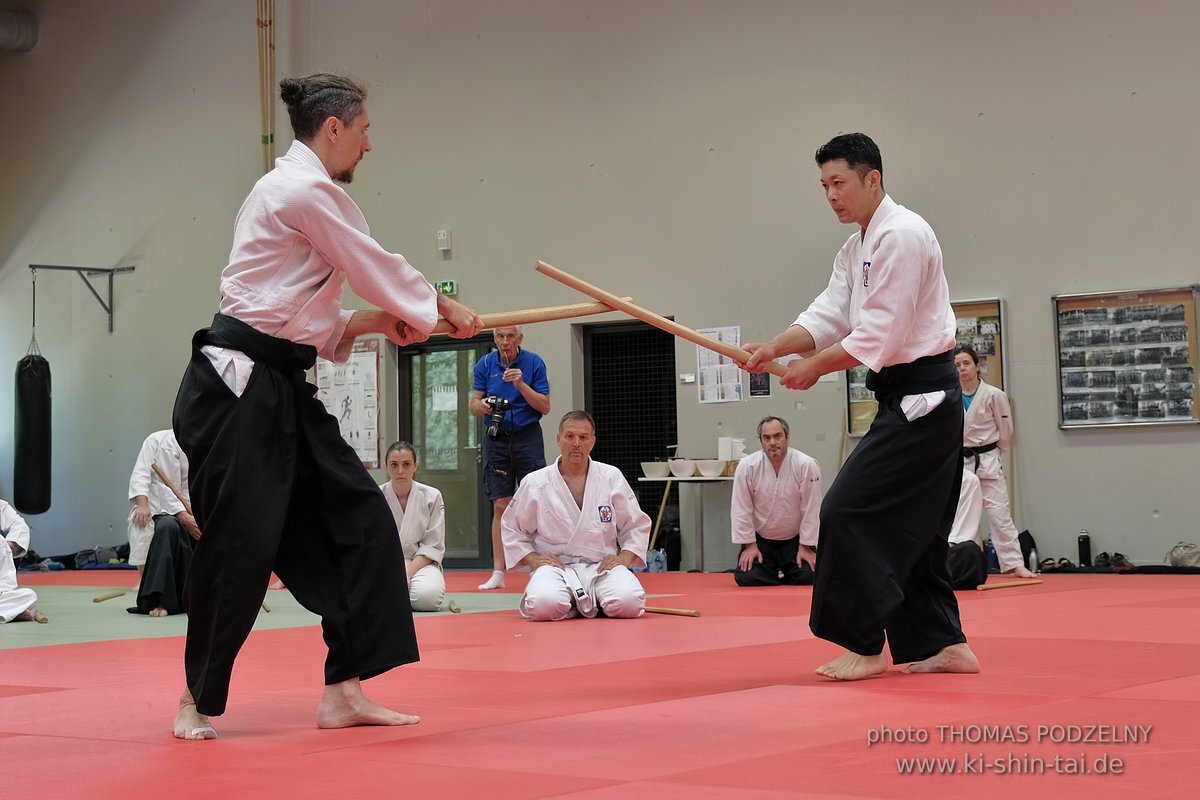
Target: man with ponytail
[(273, 484)]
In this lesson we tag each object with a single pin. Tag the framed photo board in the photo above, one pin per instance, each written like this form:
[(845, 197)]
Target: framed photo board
[(1126, 358), (980, 325)]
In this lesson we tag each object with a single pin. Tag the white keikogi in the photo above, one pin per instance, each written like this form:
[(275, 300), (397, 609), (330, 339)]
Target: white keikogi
[(14, 529), (298, 226), (422, 529), (543, 517), (988, 420), (777, 507), (880, 316), (13, 599), (968, 513), (159, 448)]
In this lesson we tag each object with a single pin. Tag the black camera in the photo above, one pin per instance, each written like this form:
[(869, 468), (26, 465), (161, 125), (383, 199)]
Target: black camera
[(496, 418)]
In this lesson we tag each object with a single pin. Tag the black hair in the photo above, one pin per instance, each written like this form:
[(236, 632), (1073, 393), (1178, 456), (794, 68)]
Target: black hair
[(859, 151)]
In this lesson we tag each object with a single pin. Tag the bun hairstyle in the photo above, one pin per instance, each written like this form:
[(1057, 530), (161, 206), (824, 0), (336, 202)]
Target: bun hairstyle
[(313, 99)]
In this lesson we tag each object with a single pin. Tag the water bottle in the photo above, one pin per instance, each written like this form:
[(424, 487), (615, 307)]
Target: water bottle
[(1034, 564), (1085, 549)]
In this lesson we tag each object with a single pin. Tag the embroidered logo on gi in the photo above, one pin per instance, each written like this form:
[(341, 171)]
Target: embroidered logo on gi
[(866, 271), (606, 514)]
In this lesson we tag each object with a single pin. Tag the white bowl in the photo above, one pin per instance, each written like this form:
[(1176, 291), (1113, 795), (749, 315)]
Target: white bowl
[(655, 469), (682, 467), (711, 468)]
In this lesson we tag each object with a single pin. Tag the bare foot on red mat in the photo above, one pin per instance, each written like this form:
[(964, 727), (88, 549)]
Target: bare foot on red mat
[(955, 658)]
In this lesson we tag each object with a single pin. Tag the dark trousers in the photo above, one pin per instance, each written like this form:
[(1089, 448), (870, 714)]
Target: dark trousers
[(777, 556), (881, 569), (167, 564), (966, 565), (274, 486), (509, 457)]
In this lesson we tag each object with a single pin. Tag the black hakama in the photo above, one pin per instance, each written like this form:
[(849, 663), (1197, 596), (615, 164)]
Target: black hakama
[(881, 566), (166, 569), (778, 556), (274, 486)]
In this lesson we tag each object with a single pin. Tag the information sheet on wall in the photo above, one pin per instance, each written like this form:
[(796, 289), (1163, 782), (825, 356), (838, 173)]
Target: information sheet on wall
[(719, 379), (350, 393)]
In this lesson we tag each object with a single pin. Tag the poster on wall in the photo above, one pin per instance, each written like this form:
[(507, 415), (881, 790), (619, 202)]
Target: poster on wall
[(350, 392), (1126, 358), (980, 325), (718, 378)]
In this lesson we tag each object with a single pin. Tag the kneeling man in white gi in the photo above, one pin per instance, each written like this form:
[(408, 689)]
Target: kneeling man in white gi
[(578, 526)]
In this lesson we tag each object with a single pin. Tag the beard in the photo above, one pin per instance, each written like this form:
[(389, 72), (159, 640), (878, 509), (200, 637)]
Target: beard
[(345, 176)]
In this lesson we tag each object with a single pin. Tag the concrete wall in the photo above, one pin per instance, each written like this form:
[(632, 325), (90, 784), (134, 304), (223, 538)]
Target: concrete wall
[(660, 148)]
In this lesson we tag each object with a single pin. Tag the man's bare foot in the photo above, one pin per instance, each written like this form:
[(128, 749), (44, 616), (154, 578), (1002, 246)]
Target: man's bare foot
[(190, 723), (955, 658), (31, 615), (158, 612), (853, 667), (343, 705), (1020, 572)]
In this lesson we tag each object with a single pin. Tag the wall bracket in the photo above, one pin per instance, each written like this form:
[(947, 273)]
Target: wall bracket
[(83, 273)]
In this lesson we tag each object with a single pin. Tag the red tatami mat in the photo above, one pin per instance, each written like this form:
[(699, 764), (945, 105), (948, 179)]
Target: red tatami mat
[(1085, 673)]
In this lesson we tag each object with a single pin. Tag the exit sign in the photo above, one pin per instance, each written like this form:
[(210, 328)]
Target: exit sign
[(448, 288)]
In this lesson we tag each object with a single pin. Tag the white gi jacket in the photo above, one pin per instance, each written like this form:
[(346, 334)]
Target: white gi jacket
[(776, 506), (989, 419), (13, 528), (873, 306), (542, 517), (160, 448), (422, 526), (297, 237)]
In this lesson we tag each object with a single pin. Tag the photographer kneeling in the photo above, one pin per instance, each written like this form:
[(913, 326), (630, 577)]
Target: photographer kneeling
[(513, 446)]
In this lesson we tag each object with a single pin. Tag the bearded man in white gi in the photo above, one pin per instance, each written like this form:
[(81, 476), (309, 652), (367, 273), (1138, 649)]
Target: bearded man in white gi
[(274, 486), (16, 603), (881, 572), (578, 526), (774, 513)]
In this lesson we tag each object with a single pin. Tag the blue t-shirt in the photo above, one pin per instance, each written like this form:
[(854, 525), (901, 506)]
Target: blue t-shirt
[(967, 400), (489, 379)]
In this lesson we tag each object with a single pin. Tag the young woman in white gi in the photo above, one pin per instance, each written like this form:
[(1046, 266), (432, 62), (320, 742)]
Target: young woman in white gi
[(577, 525), (987, 430), (420, 515)]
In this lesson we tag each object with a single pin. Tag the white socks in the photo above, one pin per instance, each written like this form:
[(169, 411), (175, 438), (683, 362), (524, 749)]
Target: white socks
[(494, 582)]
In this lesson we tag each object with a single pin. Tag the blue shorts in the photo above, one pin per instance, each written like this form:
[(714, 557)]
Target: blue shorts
[(508, 458)]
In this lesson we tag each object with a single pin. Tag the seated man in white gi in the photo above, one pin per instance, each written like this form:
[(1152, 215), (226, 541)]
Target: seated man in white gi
[(16, 604), (162, 534), (775, 511), (965, 560), (577, 525)]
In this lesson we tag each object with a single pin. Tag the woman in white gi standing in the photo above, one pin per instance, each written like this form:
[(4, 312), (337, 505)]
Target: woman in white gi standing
[(987, 430), (420, 515)]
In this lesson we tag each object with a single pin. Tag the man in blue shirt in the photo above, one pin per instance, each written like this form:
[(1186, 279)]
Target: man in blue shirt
[(518, 376)]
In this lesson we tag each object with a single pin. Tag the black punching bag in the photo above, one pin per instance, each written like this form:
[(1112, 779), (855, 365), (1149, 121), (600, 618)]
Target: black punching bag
[(31, 468)]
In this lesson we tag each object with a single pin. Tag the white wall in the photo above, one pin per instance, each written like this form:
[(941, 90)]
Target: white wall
[(660, 148)]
